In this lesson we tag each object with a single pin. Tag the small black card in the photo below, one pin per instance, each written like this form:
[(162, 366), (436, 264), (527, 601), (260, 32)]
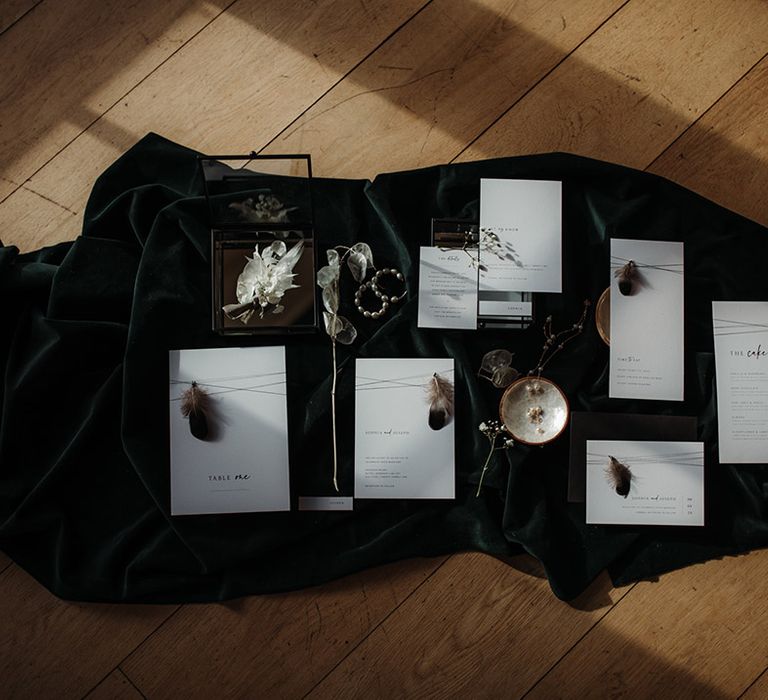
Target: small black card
[(618, 426)]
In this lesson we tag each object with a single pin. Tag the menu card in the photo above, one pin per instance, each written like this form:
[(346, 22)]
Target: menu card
[(646, 352), (404, 442), (645, 483), (447, 288), (242, 464), (520, 239), (741, 364)]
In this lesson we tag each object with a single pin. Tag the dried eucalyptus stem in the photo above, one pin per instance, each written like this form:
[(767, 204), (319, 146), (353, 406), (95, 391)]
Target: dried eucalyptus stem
[(338, 328), (333, 417)]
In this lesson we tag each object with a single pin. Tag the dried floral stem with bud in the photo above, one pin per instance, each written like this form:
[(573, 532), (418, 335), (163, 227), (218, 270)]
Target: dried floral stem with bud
[(493, 429)]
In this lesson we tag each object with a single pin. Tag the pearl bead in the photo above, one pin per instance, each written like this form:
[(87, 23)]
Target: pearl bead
[(384, 297), (367, 314), (385, 305), (400, 276)]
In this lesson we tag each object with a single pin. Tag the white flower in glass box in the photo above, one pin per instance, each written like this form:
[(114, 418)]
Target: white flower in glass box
[(266, 277)]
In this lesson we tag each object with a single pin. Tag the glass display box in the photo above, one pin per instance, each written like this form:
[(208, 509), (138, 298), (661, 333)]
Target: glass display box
[(263, 256)]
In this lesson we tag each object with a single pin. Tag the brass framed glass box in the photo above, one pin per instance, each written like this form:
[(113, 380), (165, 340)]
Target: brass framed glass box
[(263, 258)]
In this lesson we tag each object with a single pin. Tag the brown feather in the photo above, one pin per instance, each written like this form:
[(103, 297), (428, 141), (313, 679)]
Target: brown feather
[(440, 398), (195, 405), (619, 476)]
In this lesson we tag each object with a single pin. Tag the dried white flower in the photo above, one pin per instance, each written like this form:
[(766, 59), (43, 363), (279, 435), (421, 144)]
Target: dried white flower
[(266, 277), (266, 208)]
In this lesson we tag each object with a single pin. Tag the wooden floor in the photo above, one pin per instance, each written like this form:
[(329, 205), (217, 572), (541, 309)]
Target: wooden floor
[(677, 87)]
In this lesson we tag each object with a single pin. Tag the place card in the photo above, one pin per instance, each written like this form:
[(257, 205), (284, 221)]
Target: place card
[(646, 354), (520, 239), (404, 429), (242, 464), (330, 503), (448, 288), (741, 365), (645, 483)]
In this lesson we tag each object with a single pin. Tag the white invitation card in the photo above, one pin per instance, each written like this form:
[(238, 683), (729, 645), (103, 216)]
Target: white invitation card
[(404, 429), (447, 288), (645, 483), (646, 354), (520, 236), (741, 366), (241, 464)]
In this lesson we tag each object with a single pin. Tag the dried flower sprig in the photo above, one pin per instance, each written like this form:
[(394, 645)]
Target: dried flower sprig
[(484, 242), (265, 209), (555, 342), (266, 277), (493, 430), (340, 330)]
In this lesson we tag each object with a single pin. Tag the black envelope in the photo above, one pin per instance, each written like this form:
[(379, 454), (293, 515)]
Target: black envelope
[(618, 426)]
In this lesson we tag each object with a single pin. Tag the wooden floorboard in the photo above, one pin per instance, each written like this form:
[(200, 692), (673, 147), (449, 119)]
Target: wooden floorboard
[(12, 11), (758, 690), (68, 61), (115, 686), (479, 629), (270, 646), (233, 88), (724, 156), (52, 648), (698, 632), (631, 89), (438, 83)]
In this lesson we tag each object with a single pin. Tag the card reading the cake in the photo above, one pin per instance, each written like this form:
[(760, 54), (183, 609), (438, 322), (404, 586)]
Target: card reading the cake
[(645, 483), (741, 364), (404, 428), (646, 320), (229, 430)]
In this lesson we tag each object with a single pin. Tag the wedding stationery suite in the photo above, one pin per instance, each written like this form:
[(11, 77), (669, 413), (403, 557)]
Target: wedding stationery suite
[(404, 430), (741, 364), (447, 288), (646, 355), (645, 483), (520, 241), (238, 462), (617, 426)]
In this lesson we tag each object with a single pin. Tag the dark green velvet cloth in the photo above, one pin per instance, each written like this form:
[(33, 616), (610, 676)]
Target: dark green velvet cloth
[(86, 329)]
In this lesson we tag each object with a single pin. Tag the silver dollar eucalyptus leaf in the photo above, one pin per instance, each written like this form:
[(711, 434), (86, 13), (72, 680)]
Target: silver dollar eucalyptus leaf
[(331, 298), (331, 323), (504, 376), (327, 275), (358, 265), (347, 333), (339, 328), (496, 359), (365, 250)]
